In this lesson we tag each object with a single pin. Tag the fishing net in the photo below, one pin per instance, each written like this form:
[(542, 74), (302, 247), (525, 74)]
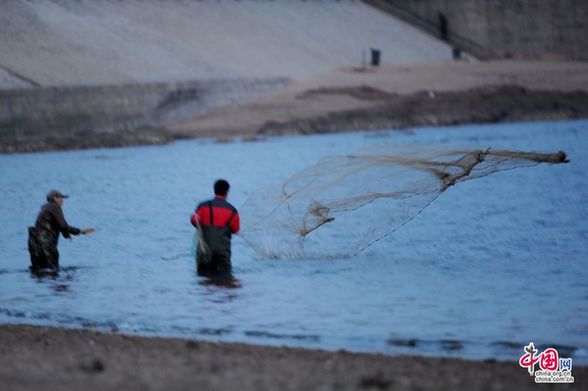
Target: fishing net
[(344, 204)]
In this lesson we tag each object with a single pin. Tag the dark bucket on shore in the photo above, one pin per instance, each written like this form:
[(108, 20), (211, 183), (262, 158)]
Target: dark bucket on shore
[(456, 52), (375, 57)]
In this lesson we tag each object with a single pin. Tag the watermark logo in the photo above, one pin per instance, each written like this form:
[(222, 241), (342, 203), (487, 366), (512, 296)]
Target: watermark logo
[(552, 368)]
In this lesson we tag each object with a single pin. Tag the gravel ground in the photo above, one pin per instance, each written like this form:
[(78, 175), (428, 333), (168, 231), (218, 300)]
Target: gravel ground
[(34, 358)]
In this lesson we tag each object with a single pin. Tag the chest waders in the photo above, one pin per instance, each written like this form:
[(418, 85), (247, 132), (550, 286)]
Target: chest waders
[(215, 254), (43, 248)]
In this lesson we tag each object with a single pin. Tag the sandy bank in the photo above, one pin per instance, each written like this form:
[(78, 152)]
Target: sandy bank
[(49, 359), (406, 96)]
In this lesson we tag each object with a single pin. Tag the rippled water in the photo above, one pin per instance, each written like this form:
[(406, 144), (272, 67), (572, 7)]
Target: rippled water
[(491, 265)]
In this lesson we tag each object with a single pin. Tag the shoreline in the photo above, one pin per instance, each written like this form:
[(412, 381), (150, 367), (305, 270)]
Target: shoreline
[(35, 357), (391, 97), (400, 97)]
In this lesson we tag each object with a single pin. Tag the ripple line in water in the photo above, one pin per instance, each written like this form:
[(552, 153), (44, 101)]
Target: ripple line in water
[(210, 331), (299, 337), (447, 345)]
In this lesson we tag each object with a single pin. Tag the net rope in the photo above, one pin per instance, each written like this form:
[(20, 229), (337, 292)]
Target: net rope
[(344, 204)]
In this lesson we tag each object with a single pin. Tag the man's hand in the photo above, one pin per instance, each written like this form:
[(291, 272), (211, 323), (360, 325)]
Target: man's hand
[(87, 230)]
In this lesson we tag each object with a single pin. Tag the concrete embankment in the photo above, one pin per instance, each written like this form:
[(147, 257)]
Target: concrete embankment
[(502, 29), (106, 116), (77, 74), (112, 42)]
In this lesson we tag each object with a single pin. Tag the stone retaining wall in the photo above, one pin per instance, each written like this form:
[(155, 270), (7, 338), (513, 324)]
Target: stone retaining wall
[(30, 118), (497, 29)]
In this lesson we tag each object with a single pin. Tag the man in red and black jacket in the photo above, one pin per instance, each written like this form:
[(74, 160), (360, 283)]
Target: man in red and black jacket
[(216, 220)]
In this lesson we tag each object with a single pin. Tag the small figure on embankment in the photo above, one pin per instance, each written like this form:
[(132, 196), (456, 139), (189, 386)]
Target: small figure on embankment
[(43, 237), (216, 220)]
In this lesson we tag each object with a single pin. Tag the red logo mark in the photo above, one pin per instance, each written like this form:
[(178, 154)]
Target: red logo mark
[(529, 359), (549, 360)]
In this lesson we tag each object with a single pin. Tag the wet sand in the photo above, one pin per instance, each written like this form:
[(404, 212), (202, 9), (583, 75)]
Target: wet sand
[(34, 358)]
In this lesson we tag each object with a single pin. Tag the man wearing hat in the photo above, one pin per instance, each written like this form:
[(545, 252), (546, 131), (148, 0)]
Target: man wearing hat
[(44, 235)]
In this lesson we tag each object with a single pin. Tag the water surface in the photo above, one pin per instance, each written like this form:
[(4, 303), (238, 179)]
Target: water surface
[(491, 265)]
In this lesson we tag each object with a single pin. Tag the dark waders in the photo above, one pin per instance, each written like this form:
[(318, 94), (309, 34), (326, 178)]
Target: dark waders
[(215, 256), (43, 249)]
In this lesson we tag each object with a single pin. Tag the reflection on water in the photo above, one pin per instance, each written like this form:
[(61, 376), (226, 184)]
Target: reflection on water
[(222, 280), (59, 279), (41, 273), (488, 267)]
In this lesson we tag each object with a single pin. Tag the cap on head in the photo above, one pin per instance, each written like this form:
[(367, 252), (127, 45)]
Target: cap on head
[(221, 187), (55, 193)]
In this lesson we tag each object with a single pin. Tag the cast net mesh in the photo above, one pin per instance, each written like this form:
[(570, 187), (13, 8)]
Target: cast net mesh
[(344, 204)]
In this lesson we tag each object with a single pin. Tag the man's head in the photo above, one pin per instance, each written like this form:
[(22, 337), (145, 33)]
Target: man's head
[(221, 188), (56, 196)]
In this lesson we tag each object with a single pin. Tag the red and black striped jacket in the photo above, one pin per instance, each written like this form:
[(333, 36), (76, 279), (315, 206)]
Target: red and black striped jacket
[(223, 214)]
